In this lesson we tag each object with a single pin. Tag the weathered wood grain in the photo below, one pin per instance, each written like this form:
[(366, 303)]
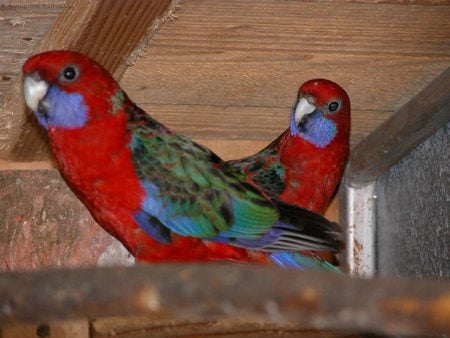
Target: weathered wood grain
[(394, 2), (34, 4), (203, 122), (106, 31), (316, 299), (22, 26), (141, 327), (231, 69), (374, 84), (78, 328), (343, 28)]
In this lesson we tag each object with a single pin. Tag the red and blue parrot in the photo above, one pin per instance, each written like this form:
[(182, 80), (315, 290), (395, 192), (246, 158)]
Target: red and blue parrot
[(305, 164), (164, 196)]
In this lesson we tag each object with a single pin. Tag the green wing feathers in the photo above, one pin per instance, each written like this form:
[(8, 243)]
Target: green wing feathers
[(196, 194)]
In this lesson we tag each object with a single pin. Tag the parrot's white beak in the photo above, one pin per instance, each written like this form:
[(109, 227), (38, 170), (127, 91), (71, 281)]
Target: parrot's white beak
[(34, 90), (302, 109)]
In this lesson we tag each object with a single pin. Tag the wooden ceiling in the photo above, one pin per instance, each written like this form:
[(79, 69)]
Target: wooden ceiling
[(227, 72)]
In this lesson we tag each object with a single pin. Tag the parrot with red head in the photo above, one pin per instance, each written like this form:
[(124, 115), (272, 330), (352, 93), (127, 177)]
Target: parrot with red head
[(165, 197), (305, 164)]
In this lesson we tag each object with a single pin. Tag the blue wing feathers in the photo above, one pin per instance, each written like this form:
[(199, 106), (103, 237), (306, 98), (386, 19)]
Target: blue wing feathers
[(153, 227)]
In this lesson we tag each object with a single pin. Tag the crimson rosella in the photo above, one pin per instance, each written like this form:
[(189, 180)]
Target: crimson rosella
[(164, 196), (304, 165)]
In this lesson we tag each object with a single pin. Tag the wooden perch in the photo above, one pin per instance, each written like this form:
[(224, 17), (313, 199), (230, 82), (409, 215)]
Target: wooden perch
[(191, 292), (397, 136), (110, 32)]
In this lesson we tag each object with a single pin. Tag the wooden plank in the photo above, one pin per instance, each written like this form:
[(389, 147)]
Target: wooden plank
[(397, 136), (106, 31), (394, 2), (315, 299), (60, 329), (22, 26), (350, 28), (236, 73), (141, 327), (25, 3), (245, 123), (374, 84)]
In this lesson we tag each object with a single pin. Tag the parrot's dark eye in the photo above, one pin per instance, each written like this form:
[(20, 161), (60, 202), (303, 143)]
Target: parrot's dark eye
[(334, 106), (69, 74)]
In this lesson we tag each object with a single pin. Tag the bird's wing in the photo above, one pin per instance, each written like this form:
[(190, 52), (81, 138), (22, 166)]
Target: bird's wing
[(192, 192), (263, 169), (189, 193)]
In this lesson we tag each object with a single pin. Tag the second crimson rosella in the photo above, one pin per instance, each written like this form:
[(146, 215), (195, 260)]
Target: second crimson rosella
[(164, 196), (304, 165)]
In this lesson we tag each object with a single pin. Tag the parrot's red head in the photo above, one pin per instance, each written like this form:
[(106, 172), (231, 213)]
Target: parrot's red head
[(59, 86), (322, 113)]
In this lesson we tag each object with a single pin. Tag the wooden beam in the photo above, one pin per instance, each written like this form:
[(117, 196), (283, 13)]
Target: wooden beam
[(142, 327), (111, 32), (191, 292), (60, 329), (392, 140)]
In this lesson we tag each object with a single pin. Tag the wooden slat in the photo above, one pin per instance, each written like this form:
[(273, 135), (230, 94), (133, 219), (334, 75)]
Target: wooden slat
[(394, 2), (59, 329), (106, 31), (22, 26), (25, 3), (346, 28), (374, 84), (204, 122), (141, 327), (315, 299)]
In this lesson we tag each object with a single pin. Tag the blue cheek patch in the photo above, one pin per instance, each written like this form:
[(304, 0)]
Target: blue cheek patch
[(65, 110), (318, 130), (42, 119)]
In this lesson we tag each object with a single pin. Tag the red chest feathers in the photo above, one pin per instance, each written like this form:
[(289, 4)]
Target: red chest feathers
[(98, 166), (312, 174)]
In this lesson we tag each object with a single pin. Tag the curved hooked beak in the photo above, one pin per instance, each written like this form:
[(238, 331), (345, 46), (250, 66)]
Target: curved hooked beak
[(34, 90), (302, 110)]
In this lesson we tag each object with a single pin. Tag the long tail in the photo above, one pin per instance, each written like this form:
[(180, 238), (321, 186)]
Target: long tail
[(295, 260), (311, 224)]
